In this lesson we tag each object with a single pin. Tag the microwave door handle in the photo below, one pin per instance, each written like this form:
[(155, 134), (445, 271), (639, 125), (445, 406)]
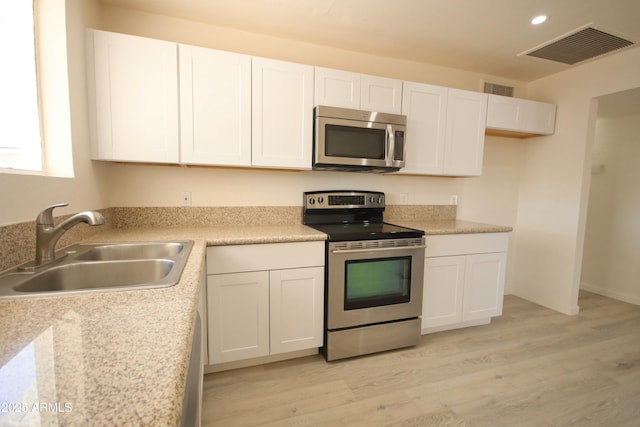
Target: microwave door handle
[(391, 145)]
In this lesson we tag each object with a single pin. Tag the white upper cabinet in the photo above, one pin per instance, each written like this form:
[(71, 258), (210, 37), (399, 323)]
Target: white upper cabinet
[(337, 88), (282, 118), (381, 94), (344, 89), (466, 118), (445, 130), (135, 84), (426, 109), (215, 107), (519, 117)]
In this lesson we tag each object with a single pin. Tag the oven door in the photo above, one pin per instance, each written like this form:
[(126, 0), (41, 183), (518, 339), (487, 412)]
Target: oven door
[(374, 281)]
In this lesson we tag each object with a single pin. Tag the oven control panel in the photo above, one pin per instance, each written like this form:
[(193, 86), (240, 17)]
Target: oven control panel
[(343, 199)]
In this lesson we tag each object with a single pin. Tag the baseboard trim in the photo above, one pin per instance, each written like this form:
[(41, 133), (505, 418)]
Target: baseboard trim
[(467, 324), (620, 296), (227, 366)]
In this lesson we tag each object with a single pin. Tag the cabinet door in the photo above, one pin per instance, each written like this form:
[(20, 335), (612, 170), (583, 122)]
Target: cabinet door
[(136, 98), (238, 316), (215, 107), (540, 118), (337, 88), (522, 117), (466, 120), (483, 285), (426, 109), (381, 94), (282, 114), (443, 291), (297, 309)]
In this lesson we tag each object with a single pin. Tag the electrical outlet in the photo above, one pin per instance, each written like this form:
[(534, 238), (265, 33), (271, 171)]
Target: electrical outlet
[(454, 199), (186, 198), (404, 199)]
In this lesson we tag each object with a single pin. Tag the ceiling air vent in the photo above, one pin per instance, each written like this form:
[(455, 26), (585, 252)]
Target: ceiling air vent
[(579, 45), (496, 89)]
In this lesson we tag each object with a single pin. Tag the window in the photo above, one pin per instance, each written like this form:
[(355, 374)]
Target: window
[(20, 136)]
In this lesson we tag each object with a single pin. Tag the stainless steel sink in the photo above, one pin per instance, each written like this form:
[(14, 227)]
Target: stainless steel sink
[(101, 267), (124, 251)]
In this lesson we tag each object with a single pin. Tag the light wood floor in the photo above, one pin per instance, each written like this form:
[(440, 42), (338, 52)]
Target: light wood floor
[(530, 367)]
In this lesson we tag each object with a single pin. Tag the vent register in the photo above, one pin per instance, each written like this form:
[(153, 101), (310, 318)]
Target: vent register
[(579, 45), (498, 89)]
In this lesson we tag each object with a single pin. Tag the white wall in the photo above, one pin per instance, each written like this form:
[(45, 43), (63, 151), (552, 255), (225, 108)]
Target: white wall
[(612, 240), (555, 179), (23, 196)]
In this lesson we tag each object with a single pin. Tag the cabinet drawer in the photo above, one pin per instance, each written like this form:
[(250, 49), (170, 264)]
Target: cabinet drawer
[(268, 256), (463, 244)]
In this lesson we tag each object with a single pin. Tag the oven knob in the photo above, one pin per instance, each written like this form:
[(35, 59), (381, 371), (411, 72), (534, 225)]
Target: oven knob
[(380, 200), (372, 199), (312, 201), (321, 200)]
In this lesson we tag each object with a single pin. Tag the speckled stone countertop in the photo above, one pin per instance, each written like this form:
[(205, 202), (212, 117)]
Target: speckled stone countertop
[(433, 227), (117, 357)]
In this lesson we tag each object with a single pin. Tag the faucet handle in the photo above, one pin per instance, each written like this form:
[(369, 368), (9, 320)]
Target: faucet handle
[(46, 216)]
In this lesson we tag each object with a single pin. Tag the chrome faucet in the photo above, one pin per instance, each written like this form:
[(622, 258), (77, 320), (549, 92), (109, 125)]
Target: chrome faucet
[(47, 235)]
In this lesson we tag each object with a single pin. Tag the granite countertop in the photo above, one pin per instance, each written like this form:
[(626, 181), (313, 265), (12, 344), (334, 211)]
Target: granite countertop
[(445, 226), (117, 357), (121, 357)]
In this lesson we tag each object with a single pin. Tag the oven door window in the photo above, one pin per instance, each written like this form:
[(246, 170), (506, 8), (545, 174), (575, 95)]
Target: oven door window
[(377, 282)]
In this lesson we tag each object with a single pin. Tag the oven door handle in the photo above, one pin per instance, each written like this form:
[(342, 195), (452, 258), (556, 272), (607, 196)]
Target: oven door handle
[(395, 248)]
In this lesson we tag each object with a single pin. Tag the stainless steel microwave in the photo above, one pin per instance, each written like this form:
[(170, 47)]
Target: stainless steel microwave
[(355, 140)]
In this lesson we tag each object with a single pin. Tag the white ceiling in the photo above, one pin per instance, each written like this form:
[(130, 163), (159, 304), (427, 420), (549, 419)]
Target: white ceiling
[(478, 35)]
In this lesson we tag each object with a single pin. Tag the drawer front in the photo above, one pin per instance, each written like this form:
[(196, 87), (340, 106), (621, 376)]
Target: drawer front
[(464, 244), (268, 256)]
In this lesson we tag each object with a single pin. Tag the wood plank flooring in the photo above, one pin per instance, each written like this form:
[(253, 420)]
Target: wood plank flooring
[(530, 367)]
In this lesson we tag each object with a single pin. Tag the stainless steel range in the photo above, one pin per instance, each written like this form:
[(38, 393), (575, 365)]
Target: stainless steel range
[(374, 274)]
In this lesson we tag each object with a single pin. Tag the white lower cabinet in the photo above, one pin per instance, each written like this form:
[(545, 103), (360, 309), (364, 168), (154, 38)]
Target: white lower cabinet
[(238, 310), (442, 293), (483, 285), (464, 280), (264, 308), (296, 309)]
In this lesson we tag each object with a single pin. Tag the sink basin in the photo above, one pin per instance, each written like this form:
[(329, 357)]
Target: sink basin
[(95, 275), (126, 251), (100, 267)]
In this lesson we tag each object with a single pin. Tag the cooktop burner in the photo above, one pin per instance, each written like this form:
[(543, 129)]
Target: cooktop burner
[(366, 231), (351, 215)]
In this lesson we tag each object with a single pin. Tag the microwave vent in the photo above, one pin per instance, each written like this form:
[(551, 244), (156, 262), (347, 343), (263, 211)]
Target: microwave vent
[(579, 45), (498, 89)]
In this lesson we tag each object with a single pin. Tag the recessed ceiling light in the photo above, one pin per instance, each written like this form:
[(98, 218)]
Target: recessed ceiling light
[(539, 19)]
